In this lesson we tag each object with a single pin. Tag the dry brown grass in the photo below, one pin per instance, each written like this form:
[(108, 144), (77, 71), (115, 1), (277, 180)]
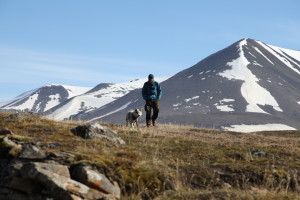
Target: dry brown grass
[(180, 162)]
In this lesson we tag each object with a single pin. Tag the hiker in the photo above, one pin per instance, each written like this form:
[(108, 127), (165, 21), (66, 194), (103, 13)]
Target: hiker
[(151, 94)]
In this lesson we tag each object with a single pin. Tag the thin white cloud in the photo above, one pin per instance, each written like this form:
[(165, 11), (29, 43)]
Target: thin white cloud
[(24, 65)]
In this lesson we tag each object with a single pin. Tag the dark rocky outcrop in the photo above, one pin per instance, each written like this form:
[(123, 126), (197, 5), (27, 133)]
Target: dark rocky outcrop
[(27, 172), (97, 131), (95, 180)]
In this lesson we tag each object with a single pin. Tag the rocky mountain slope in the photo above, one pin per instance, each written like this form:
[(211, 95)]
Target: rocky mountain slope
[(97, 97), (43, 99), (59, 102), (247, 86)]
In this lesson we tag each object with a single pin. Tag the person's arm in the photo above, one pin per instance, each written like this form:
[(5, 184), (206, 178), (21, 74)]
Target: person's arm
[(159, 92), (144, 92)]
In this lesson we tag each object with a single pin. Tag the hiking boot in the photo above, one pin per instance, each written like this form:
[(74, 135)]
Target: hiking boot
[(148, 124), (153, 123)]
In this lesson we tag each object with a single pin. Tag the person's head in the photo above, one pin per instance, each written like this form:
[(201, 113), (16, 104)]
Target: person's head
[(151, 77)]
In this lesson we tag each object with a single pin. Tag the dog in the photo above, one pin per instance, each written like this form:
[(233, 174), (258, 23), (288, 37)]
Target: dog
[(132, 117)]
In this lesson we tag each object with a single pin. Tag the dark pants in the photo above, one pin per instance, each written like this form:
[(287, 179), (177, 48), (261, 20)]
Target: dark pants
[(155, 106)]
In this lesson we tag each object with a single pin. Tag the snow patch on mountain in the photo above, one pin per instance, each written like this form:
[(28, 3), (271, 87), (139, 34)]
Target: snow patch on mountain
[(90, 101), (193, 98), (287, 61), (263, 55), (227, 100), (16, 99), (253, 93), (117, 110), (225, 108), (72, 90), (256, 63), (261, 127), (53, 102), (293, 53), (28, 104)]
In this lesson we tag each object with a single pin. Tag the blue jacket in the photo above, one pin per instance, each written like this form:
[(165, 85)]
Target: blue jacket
[(151, 90)]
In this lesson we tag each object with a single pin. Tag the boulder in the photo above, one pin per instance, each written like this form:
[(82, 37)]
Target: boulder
[(9, 194), (258, 153), (97, 131), (61, 187), (95, 180), (61, 155), (13, 167), (61, 170), (20, 184), (30, 151)]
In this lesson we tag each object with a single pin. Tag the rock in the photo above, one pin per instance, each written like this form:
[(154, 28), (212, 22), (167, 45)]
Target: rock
[(258, 153), (9, 194), (30, 151), (61, 170), (62, 155), (74, 197), (7, 142), (6, 131), (14, 167), (97, 131), (9, 147), (226, 185), (95, 180), (60, 187), (20, 184)]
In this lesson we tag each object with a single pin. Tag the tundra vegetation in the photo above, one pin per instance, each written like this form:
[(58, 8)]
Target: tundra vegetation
[(174, 161)]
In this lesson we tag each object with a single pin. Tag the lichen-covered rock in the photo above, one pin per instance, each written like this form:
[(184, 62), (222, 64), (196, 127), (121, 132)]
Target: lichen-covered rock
[(61, 170), (28, 172), (60, 187), (30, 151), (97, 131), (95, 180)]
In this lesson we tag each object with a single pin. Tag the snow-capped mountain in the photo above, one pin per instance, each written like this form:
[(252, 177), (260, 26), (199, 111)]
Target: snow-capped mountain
[(247, 85), (43, 99), (100, 95)]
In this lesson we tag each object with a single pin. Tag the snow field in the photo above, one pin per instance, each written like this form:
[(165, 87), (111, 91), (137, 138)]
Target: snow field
[(254, 128), (253, 93)]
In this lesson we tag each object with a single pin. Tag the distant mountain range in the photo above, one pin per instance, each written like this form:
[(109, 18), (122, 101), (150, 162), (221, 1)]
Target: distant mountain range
[(42, 99), (247, 86), (59, 102)]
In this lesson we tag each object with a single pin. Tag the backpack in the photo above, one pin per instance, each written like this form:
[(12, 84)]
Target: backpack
[(147, 88)]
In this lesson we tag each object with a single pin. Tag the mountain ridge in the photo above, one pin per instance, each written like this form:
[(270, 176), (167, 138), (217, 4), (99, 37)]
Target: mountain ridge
[(224, 90), (248, 83)]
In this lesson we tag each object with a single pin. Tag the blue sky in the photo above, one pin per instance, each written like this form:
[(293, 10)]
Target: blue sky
[(84, 43)]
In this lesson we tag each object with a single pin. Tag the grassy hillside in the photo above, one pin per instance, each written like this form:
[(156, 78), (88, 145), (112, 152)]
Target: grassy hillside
[(179, 162)]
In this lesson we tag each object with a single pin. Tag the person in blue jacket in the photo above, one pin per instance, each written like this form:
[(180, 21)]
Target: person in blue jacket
[(151, 94)]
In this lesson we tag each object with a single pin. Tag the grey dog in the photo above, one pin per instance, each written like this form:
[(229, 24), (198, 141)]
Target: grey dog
[(132, 117)]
